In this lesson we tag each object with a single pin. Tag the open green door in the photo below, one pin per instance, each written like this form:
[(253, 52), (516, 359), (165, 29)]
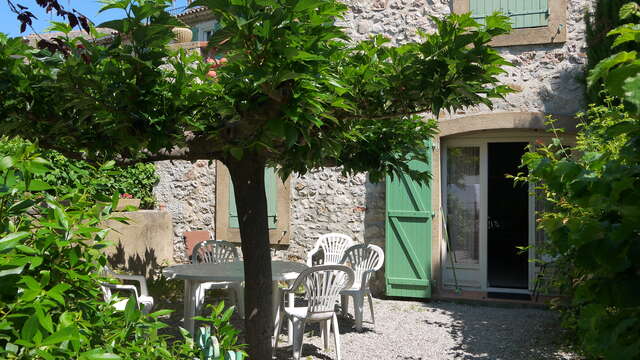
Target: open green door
[(408, 236)]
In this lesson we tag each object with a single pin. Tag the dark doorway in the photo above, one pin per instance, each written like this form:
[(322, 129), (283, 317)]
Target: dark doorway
[(508, 218)]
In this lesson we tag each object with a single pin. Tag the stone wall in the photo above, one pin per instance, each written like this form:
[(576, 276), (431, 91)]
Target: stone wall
[(547, 77), (188, 192)]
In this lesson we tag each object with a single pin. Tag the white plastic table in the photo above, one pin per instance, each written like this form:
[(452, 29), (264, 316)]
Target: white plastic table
[(195, 274)]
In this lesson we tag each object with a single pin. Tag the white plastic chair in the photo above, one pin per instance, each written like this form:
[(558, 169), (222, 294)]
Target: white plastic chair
[(143, 300), (322, 285), (217, 252), (332, 246), (364, 259)]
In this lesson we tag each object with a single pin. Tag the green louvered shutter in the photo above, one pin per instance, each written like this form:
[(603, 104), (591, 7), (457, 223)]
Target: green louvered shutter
[(523, 13), (408, 235), (194, 33), (271, 188)]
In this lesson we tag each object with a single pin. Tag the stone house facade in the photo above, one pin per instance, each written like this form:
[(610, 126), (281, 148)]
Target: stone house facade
[(486, 216)]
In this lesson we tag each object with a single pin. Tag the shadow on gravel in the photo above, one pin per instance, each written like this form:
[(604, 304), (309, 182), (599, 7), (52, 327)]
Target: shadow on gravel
[(479, 334)]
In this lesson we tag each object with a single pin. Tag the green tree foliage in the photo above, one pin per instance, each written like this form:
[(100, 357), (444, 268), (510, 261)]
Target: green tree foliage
[(296, 93), (600, 21), (593, 221), (99, 182), (51, 262)]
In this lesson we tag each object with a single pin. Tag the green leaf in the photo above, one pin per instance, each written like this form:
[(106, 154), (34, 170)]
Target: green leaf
[(236, 152), (632, 91), (38, 185), (99, 354), (601, 70), (31, 283), (10, 241), (22, 205), (30, 328), (6, 163), (302, 5), (44, 320), (12, 271), (64, 334), (159, 313), (629, 9), (114, 4), (131, 312)]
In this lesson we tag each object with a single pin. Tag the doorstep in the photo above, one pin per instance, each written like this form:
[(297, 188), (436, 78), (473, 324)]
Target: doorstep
[(482, 297)]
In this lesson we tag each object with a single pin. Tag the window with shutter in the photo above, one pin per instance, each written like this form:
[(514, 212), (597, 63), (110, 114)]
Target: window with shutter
[(533, 21), (271, 189), (278, 207), (523, 13)]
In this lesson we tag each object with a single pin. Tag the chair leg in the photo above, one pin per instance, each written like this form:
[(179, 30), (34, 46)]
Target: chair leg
[(325, 332), (276, 333), (336, 335), (358, 304), (298, 335), (373, 318), (291, 302), (238, 290), (344, 305), (199, 299)]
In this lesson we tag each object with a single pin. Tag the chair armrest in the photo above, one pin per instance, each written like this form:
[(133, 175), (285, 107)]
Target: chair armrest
[(139, 278), (123, 287)]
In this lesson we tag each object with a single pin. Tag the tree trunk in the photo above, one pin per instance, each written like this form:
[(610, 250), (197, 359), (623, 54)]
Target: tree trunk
[(251, 203)]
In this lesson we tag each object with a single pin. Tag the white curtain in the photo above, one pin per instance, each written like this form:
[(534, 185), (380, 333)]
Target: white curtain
[(463, 203)]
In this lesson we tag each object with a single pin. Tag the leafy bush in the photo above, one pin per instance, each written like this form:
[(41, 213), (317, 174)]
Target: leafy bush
[(101, 183), (51, 258), (219, 339), (593, 217), (599, 22)]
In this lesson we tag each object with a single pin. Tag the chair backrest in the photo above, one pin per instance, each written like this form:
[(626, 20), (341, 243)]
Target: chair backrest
[(332, 247), (322, 285), (363, 257), (212, 251)]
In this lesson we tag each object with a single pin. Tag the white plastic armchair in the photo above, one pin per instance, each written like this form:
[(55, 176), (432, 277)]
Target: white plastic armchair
[(332, 246), (143, 300), (364, 259), (217, 252), (322, 285)]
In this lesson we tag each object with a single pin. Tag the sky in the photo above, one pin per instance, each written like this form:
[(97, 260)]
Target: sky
[(10, 25)]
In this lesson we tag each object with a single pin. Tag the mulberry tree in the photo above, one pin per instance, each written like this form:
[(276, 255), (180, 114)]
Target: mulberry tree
[(296, 93)]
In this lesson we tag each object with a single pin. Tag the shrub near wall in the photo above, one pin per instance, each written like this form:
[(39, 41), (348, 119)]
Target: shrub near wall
[(51, 306), (593, 221), (137, 180)]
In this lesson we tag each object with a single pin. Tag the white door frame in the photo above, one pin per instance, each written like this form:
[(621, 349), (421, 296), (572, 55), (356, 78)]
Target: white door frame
[(482, 141)]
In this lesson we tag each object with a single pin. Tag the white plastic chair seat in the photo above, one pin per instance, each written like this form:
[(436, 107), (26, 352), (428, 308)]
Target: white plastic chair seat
[(302, 312), (354, 289)]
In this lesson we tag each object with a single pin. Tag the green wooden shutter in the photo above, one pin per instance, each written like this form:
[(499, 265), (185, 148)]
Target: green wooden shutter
[(271, 189), (194, 33), (523, 13), (408, 236)]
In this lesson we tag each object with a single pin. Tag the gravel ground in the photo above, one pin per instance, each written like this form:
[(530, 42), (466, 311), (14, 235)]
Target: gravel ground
[(435, 330), (442, 330)]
